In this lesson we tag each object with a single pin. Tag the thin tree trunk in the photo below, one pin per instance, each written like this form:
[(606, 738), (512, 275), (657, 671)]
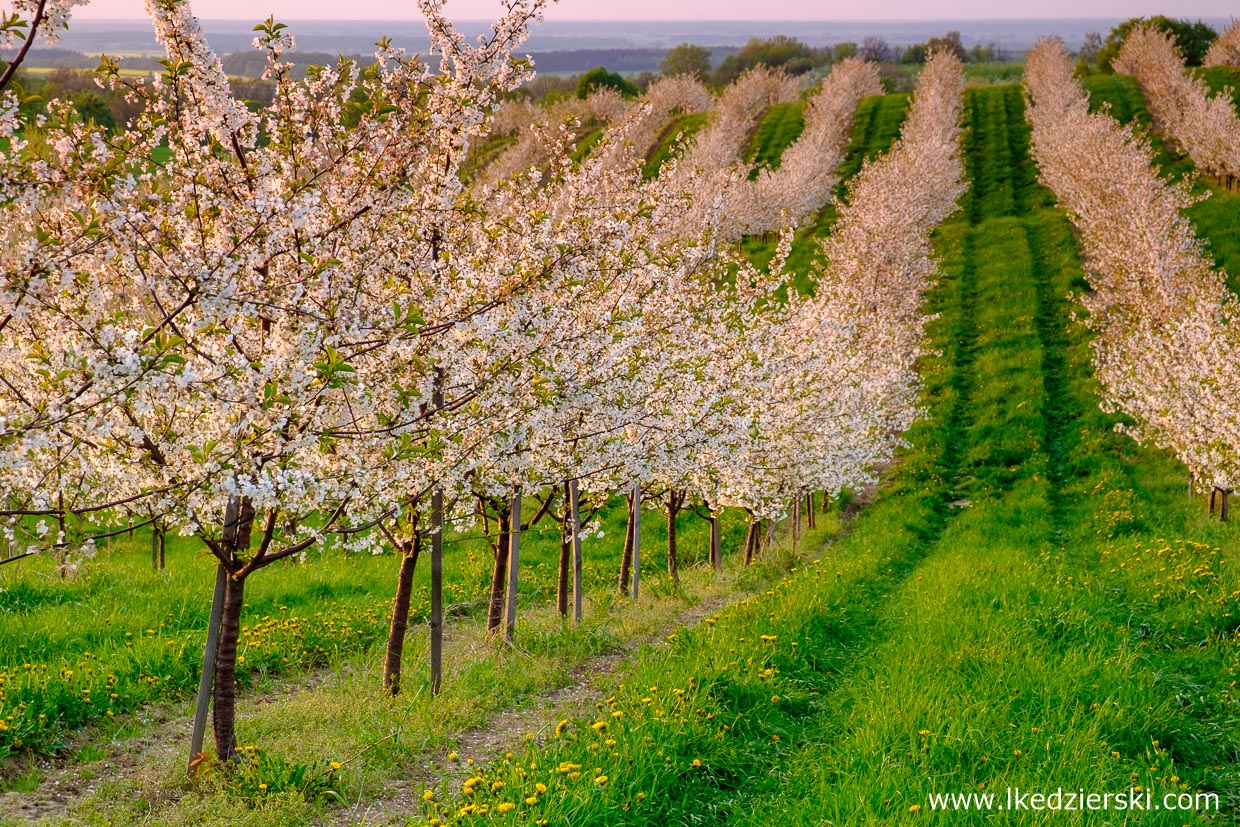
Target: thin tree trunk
[(400, 614), (716, 543), (674, 502), (826, 503), (499, 574), (514, 567), (637, 539), (207, 679), (566, 553), (796, 523), (626, 558), (436, 591), (751, 540), (1223, 506), (574, 504), (811, 519), (224, 708), (1213, 494), (239, 522)]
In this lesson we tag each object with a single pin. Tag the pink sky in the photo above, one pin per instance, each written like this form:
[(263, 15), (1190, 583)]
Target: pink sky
[(682, 10)]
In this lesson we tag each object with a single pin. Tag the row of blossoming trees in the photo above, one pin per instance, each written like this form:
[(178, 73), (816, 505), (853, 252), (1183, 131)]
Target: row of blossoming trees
[(265, 329), (1205, 127), (1164, 320)]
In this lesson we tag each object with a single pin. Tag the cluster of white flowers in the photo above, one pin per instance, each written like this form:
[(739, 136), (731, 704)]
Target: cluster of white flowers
[(1165, 322)]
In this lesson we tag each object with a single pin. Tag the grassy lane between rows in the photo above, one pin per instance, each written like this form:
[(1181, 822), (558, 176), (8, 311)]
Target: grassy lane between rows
[(1032, 604)]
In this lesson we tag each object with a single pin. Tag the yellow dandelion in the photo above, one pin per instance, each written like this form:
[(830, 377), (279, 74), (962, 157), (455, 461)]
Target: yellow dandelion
[(336, 765), (601, 780), (505, 807), (560, 727), (915, 808), (697, 762), (532, 800), (542, 788), (452, 756), (429, 795)]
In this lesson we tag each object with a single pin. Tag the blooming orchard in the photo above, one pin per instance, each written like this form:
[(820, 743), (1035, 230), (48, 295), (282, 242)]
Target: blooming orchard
[(266, 328), (1204, 126), (1164, 319)]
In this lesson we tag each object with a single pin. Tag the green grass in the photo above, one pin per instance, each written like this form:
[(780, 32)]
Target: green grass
[(681, 128), (1031, 603), (81, 650), (779, 128)]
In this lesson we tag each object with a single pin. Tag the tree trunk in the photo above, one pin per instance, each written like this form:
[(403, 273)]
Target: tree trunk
[(239, 522), (499, 574), (716, 543), (637, 538), (224, 696), (574, 504), (674, 502), (751, 540), (811, 519), (626, 558), (566, 553), (436, 591), (1223, 507), (514, 567), (1213, 494), (400, 614), (796, 523), (206, 680)]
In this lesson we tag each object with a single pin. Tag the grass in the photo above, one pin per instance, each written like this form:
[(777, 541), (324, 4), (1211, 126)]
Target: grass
[(1031, 603), (680, 128), (82, 650), (779, 128)]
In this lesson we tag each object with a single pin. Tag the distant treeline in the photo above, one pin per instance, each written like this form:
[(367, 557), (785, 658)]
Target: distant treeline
[(250, 64)]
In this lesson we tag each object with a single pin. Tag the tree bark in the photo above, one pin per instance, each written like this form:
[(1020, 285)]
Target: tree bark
[(224, 697), (626, 558), (636, 517), (716, 543), (796, 522), (811, 519), (239, 523), (566, 553), (574, 504), (751, 540), (1223, 507), (400, 614), (436, 591), (499, 574), (674, 503), (514, 567)]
